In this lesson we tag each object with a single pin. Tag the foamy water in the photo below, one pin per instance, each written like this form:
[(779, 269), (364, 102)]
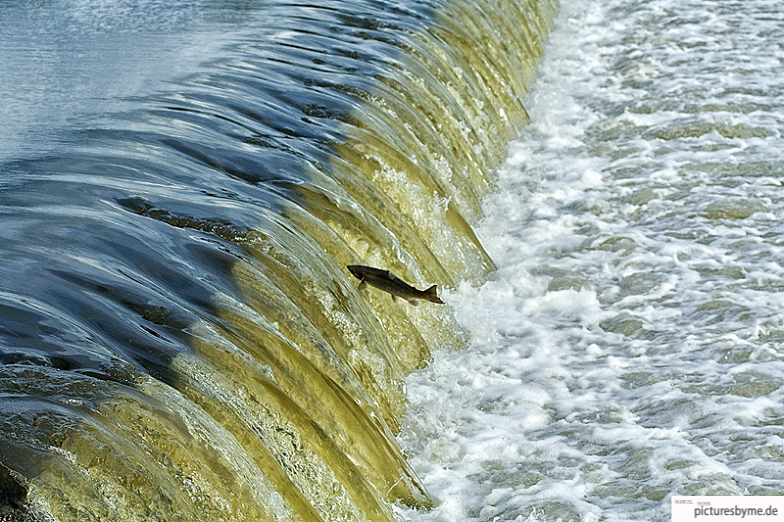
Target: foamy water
[(629, 347)]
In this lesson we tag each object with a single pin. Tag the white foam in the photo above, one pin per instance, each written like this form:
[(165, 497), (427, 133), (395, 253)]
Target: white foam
[(629, 346)]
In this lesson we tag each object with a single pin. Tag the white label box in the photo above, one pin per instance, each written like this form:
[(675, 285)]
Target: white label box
[(727, 509)]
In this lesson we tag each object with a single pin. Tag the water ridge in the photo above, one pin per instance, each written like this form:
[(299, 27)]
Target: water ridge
[(179, 337)]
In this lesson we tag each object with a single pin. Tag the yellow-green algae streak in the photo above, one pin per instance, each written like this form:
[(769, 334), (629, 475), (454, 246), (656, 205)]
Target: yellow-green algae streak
[(287, 408)]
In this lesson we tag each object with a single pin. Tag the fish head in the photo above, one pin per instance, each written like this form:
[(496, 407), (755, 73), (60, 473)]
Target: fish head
[(356, 271)]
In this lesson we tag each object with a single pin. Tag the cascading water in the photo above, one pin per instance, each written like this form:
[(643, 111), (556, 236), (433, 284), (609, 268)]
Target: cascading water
[(182, 189)]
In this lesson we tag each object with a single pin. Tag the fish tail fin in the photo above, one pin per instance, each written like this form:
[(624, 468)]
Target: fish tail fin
[(431, 295)]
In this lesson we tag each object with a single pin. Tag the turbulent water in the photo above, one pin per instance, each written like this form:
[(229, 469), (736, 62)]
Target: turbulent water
[(182, 185), (630, 346)]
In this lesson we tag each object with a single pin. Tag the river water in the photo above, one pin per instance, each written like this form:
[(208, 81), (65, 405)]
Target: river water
[(630, 345), (182, 185)]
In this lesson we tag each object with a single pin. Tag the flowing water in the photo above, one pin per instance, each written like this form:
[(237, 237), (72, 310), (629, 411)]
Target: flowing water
[(630, 346), (182, 185)]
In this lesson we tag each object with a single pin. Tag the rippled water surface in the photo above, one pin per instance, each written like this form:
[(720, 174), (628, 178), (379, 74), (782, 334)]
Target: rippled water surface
[(182, 186), (629, 347)]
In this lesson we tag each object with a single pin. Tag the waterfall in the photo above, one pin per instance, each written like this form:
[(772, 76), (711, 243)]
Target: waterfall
[(180, 338)]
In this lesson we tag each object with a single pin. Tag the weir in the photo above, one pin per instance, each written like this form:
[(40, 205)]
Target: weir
[(180, 338)]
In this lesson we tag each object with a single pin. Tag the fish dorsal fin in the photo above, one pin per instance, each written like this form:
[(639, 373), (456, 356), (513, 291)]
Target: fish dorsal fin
[(431, 295)]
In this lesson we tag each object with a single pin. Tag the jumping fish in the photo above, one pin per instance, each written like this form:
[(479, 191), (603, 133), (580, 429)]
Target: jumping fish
[(393, 285)]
